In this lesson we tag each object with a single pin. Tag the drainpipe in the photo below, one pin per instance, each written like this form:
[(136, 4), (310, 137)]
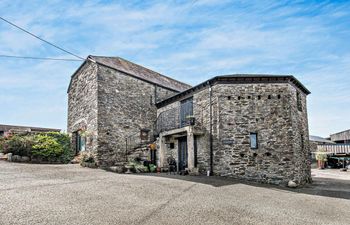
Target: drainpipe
[(126, 149), (210, 132)]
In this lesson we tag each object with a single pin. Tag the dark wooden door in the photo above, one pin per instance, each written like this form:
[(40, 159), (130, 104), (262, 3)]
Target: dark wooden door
[(183, 154)]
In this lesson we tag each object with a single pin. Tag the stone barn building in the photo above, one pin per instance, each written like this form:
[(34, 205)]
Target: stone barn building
[(110, 100), (245, 126)]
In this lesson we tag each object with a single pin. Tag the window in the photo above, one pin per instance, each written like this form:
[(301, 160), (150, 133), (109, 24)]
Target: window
[(144, 134), (302, 141), (186, 111), (2, 133), (253, 140), (299, 101), (80, 142)]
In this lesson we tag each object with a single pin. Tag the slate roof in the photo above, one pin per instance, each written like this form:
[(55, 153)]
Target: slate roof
[(138, 71), (237, 79)]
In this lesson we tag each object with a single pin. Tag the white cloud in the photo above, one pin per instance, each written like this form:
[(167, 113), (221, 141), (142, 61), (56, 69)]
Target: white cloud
[(189, 40)]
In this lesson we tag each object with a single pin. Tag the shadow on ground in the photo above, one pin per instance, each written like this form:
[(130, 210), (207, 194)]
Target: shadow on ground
[(334, 188)]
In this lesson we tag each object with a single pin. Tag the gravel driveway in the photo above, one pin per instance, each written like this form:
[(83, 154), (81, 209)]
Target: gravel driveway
[(69, 194)]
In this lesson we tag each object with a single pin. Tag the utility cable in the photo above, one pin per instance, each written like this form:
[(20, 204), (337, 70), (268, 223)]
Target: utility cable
[(47, 42), (37, 58)]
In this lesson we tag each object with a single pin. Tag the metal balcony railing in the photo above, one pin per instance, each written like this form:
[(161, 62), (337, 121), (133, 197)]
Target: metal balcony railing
[(174, 118), (168, 120)]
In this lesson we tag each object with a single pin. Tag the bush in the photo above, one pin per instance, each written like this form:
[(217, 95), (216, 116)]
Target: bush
[(18, 145), (2, 141), (64, 141), (46, 148), (51, 146)]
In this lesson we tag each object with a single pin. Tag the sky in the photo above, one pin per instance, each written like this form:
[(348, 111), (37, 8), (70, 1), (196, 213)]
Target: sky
[(191, 41)]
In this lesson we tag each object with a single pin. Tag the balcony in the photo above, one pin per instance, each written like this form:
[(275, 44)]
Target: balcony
[(175, 118)]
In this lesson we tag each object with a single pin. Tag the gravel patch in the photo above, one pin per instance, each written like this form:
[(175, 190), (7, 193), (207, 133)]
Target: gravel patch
[(70, 194)]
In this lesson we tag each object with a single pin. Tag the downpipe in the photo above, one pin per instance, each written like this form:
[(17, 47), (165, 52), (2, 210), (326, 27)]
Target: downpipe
[(210, 172)]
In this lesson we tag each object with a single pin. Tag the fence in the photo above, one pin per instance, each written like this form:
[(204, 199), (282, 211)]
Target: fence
[(336, 149)]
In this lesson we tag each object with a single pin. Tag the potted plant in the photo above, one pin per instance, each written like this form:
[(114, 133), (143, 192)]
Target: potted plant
[(321, 158), (129, 167), (152, 168), (88, 160), (191, 120)]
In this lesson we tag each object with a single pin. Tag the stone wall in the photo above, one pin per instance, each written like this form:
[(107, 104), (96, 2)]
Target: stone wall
[(268, 109), (300, 135), (82, 105), (126, 105), (201, 111)]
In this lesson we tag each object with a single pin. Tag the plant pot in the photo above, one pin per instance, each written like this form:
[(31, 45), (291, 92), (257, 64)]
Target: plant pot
[(128, 169), (192, 121)]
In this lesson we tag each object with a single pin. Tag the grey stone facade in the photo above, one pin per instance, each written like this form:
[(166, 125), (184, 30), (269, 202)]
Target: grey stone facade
[(111, 103), (112, 100), (238, 109)]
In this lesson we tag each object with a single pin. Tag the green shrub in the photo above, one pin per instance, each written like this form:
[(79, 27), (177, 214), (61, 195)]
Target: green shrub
[(64, 141), (18, 145), (51, 146), (46, 148), (2, 142), (321, 156)]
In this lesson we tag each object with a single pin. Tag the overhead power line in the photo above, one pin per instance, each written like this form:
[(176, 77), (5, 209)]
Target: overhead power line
[(37, 58), (47, 42)]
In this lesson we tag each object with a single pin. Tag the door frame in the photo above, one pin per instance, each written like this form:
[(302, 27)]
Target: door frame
[(182, 153)]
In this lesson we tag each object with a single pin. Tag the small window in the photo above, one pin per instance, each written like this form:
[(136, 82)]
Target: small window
[(259, 97), (253, 140), (239, 97), (269, 97), (249, 97), (228, 97), (302, 141), (80, 141), (2, 133), (300, 108), (279, 96)]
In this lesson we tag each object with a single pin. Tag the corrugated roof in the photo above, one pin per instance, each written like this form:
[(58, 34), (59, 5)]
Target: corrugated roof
[(8, 127), (140, 72), (320, 139)]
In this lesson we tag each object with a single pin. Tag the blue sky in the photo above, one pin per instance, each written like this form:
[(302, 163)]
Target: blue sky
[(187, 40)]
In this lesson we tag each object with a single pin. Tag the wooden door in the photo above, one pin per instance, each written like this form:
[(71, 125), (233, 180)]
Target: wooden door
[(183, 154)]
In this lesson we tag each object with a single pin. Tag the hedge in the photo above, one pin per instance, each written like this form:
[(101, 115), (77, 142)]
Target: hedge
[(43, 147)]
